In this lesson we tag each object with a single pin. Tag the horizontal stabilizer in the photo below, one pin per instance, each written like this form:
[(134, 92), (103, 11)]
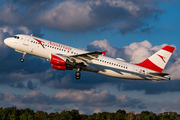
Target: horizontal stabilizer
[(158, 74)]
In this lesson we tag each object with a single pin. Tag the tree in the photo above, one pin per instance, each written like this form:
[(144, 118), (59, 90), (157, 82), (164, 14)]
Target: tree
[(120, 115), (130, 116), (41, 115)]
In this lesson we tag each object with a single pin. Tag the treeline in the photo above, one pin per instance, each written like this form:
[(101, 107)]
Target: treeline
[(12, 113)]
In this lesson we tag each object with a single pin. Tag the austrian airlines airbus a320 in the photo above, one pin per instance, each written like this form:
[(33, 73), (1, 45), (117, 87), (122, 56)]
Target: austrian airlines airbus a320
[(63, 57)]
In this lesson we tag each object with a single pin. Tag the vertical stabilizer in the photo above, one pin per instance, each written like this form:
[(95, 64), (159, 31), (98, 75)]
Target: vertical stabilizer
[(158, 61)]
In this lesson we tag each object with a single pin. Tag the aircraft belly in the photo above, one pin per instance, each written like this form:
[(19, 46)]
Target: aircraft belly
[(119, 74)]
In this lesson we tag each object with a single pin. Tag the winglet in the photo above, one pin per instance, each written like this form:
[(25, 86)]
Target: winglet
[(104, 52)]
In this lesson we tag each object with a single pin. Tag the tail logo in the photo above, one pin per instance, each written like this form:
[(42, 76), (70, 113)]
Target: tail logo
[(162, 58)]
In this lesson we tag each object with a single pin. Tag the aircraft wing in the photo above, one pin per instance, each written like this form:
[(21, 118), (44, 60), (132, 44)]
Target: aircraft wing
[(84, 58)]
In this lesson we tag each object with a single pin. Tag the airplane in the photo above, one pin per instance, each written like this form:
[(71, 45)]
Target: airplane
[(63, 57)]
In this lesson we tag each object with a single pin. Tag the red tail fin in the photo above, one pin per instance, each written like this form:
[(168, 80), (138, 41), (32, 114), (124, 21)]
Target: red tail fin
[(158, 61)]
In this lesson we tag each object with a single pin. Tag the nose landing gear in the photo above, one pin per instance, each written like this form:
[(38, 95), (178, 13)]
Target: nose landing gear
[(22, 59)]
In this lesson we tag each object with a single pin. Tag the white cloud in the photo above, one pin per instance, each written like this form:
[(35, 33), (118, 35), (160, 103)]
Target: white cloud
[(75, 16), (22, 105), (7, 31), (9, 98), (87, 96), (138, 51), (9, 14), (97, 110), (42, 107), (81, 110), (83, 98), (104, 45), (124, 101), (164, 106), (66, 16), (39, 101)]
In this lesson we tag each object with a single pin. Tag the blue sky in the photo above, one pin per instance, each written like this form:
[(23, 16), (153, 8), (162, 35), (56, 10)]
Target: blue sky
[(129, 29)]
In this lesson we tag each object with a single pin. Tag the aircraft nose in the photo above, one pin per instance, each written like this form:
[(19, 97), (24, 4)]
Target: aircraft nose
[(10, 42), (6, 41)]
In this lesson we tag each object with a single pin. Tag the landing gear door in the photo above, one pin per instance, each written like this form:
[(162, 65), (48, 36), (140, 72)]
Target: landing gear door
[(26, 40)]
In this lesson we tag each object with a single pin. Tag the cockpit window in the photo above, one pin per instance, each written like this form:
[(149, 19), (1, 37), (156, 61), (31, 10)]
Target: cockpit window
[(17, 37)]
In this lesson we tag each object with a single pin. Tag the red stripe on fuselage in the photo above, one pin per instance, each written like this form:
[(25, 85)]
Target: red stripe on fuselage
[(150, 65)]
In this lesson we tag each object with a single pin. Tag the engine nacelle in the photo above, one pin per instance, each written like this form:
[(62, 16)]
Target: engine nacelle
[(58, 67), (58, 60)]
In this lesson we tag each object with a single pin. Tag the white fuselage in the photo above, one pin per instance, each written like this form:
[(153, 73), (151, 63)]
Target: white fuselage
[(102, 65)]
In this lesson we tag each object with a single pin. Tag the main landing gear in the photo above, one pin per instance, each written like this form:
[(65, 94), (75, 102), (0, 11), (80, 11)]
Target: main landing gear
[(78, 74), (22, 59)]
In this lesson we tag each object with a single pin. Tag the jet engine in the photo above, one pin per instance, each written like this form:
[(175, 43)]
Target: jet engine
[(58, 60)]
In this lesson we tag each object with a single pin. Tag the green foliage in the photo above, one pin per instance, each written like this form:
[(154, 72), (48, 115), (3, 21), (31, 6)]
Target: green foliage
[(12, 113)]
